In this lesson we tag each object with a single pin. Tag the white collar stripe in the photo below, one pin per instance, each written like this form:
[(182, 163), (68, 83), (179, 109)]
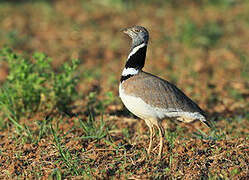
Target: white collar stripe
[(129, 71), (135, 49)]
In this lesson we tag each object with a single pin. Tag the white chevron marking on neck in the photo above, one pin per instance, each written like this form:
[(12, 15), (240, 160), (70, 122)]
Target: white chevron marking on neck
[(129, 71), (135, 49)]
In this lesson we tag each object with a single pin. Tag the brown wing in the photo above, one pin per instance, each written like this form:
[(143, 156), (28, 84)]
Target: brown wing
[(160, 93)]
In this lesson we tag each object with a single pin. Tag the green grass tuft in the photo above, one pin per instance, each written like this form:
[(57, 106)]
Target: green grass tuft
[(32, 85)]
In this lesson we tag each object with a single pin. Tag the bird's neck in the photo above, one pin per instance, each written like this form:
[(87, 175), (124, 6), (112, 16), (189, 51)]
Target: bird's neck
[(135, 61)]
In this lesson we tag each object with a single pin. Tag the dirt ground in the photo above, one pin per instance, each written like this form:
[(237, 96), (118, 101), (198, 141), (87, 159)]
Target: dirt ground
[(201, 46)]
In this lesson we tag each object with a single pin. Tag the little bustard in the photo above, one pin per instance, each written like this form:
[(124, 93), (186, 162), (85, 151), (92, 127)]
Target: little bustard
[(150, 97)]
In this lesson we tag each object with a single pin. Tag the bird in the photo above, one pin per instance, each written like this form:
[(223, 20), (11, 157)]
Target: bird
[(152, 98)]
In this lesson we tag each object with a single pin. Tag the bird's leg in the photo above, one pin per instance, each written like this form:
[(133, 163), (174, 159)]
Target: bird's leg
[(153, 132), (151, 135), (151, 138), (161, 134)]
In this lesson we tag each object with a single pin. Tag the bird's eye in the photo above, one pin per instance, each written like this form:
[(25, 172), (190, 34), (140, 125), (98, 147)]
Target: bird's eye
[(137, 30)]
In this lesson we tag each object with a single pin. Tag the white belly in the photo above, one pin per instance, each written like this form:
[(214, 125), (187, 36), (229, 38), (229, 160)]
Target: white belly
[(138, 107)]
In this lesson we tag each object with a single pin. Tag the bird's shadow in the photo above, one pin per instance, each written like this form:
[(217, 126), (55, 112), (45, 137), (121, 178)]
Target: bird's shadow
[(123, 113)]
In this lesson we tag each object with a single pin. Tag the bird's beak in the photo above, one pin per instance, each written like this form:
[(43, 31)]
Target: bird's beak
[(124, 30), (128, 31)]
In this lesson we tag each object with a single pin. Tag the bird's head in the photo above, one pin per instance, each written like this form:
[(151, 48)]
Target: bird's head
[(138, 34)]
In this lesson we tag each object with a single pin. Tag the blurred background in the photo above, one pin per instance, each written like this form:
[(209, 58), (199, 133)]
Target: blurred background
[(202, 46)]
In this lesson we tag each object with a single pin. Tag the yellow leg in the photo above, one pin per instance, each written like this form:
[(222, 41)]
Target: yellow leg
[(161, 134), (153, 132), (151, 135)]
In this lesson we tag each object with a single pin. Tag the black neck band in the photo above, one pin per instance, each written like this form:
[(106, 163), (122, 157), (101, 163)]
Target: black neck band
[(137, 59), (123, 78)]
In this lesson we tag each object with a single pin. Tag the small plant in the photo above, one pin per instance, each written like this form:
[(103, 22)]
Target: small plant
[(32, 84), (66, 156), (24, 85), (56, 173), (92, 130), (171, 136), (42, 130), (64, 85), (30, 135)]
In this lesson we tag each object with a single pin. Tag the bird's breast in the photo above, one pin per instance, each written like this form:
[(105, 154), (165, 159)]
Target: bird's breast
[(139, 107)]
